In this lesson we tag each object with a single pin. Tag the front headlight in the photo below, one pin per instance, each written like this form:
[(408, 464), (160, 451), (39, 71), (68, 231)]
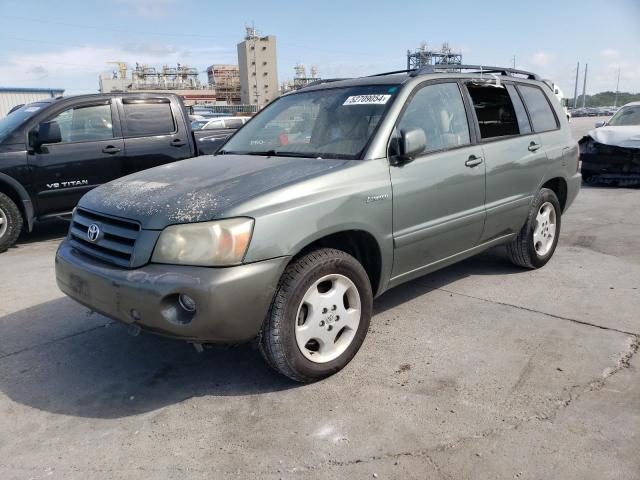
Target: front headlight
[(218, 243)]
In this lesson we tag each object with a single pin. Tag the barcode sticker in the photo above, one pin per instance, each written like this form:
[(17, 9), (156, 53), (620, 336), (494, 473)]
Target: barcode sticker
[(367, 100)]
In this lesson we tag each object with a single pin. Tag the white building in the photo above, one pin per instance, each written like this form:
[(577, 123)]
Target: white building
[(12, 96)]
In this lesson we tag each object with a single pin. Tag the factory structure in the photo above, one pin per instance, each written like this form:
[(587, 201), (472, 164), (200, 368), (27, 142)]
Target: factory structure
[(247, 86), (181, 79), (425, 56), (300, 79)]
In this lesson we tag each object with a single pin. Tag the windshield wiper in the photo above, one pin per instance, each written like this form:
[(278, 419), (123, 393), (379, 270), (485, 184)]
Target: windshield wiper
[(276, 153)]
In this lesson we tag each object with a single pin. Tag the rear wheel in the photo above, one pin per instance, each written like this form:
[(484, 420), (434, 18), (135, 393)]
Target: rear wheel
[(535, 244), (319, 315), (10, 222)]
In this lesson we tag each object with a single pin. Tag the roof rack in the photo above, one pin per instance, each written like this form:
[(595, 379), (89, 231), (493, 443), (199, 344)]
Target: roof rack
[(321, 81), (510, 72), (392, 72)]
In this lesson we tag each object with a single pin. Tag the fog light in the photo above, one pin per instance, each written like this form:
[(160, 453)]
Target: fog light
[(186, 302)]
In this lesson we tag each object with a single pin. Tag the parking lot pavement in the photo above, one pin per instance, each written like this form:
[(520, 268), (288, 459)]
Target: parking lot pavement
[(481, 370), (580, 126)]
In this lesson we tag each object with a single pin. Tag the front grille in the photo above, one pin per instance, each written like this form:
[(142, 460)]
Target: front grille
[(116, 240)]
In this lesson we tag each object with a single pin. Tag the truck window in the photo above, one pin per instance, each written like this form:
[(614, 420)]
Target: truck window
[(214, 125), (439, 111), (494, 110), (152, 118), (540, 111), (85, 123)]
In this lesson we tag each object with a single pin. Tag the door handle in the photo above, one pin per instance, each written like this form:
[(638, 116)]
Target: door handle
[(110, 149), (533, 146), (473, 161), (176, 142)]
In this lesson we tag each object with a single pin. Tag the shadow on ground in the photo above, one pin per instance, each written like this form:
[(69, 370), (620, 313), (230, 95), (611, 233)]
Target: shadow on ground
[(94, 369), (45, 230)]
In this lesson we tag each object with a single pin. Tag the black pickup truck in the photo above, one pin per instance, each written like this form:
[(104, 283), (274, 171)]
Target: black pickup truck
[(53, 151)]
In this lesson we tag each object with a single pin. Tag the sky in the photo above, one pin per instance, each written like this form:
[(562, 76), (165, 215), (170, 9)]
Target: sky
[(67, 43)]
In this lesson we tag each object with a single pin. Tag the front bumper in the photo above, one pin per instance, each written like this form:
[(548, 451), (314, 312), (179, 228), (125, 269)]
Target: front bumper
[(231, 302), (609, 162)]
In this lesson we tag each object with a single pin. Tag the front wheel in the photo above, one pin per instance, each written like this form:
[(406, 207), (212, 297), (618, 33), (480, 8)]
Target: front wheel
[(319, 316), (535, 244), (10, 222)]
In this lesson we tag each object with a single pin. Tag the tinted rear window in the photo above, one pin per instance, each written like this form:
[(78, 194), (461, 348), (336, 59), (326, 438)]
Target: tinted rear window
[(542, 116), (148, 119)]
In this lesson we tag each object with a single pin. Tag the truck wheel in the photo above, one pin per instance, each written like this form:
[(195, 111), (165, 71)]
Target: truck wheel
[(319, 315), (10, 222), (537, 240)]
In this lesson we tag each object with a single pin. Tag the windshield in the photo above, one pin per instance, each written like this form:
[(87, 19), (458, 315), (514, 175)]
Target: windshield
[(198, 124), (16, 118), (626, 116), (330, 123)]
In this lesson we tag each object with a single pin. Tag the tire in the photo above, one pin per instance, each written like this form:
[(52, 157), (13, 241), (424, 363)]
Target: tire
[(526, 252), (10, 222), (305, 302)]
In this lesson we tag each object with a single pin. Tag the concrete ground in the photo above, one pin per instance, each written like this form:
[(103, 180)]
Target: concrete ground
[(481, 370)]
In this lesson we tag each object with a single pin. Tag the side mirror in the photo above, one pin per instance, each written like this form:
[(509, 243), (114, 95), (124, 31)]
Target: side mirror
[(410, 144), (48, 132), (601, 123)]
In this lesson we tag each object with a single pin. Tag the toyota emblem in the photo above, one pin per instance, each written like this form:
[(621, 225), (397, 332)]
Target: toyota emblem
[(93, 232)]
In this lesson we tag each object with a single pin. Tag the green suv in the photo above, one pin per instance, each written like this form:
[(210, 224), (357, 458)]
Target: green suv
[(328, 197)]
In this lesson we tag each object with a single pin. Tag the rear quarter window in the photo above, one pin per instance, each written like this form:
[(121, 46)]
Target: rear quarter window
[(148, 119), (542, 117)]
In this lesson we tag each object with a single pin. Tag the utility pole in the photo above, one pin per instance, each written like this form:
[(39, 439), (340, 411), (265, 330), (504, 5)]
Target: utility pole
[(575, 91), (615, 100), (514, 61), (584, 86)]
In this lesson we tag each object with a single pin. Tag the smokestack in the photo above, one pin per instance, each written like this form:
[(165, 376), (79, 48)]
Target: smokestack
[(584, 86), (575, 92)]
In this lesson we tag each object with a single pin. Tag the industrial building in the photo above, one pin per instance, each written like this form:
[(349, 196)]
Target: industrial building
[(10, 96), (225, 79), (257, 62), (426, 56), (181, 80), (300, 79)]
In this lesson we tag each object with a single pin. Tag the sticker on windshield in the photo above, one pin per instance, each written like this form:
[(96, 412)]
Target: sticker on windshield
[(32, 109), (367, 100)]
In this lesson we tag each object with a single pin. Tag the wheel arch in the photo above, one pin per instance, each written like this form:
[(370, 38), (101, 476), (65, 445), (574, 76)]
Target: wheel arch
[(20, 196), (559, 187), (360, 244)]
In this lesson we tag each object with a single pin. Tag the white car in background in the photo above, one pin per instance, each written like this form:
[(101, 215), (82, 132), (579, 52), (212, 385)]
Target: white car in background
[(221, 123), (610, 154)]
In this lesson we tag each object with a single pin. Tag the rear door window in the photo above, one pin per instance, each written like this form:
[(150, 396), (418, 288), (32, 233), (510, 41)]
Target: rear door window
[(542, 117), (494, 110), (148, 117), (439, 111)]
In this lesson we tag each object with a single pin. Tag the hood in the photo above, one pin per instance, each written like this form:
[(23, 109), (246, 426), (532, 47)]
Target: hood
[(199, 189), (627, 136)]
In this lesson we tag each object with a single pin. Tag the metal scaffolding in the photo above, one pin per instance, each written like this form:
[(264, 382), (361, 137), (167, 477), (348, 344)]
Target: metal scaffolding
[(423, 56)]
